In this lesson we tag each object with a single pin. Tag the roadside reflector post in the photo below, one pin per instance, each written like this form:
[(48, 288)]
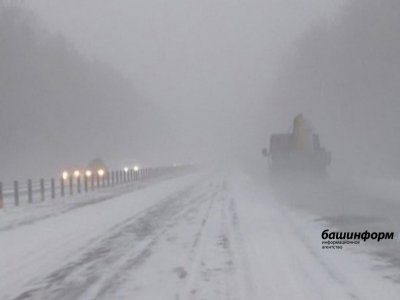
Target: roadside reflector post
[(42, 189), (53, 188), (30, 197), (16, 193)]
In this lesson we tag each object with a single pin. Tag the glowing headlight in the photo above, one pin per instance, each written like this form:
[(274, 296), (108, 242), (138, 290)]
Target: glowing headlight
[(101, 172)]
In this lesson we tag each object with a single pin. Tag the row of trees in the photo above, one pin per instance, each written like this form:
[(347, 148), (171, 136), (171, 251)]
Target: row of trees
[(57, 107)]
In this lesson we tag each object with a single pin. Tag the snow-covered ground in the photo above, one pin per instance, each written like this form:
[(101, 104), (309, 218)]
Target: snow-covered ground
[(200, 236)]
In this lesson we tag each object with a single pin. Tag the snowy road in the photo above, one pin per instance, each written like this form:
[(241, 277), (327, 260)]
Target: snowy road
[(223, 236)]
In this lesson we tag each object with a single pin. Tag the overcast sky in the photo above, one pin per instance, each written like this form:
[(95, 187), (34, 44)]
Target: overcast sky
[(207, 65)]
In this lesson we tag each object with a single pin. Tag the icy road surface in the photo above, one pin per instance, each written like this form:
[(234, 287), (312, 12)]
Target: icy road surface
[(200, 236)]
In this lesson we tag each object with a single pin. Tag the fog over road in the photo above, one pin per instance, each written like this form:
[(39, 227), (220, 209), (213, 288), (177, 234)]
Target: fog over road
[(137, 90)]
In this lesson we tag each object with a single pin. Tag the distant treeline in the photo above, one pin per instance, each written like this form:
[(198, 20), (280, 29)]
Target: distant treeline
[(56, 106)]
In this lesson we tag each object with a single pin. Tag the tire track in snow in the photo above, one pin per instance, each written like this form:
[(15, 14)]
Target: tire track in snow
[(85, 278), (214, 272)]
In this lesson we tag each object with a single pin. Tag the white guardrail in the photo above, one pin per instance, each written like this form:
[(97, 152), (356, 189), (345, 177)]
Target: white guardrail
[(34, 191)]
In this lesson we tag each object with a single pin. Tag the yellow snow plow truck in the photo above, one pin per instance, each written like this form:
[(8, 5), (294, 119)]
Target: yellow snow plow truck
[(297, 152)]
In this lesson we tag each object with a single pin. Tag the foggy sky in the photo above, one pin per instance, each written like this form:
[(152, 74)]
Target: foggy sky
[(200, 75), (206, 65), (345, 77)]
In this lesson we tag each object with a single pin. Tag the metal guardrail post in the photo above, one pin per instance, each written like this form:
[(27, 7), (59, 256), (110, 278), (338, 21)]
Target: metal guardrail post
[(97, 181), (42, 189), (71, 185), (53, 188), (62, 191), (92, 182), (78, 184), (30, 197), (85, 183), (1, 196), (16, 193)]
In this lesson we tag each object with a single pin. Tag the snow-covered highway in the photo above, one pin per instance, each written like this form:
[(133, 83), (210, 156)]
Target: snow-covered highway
[(199, 236)]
